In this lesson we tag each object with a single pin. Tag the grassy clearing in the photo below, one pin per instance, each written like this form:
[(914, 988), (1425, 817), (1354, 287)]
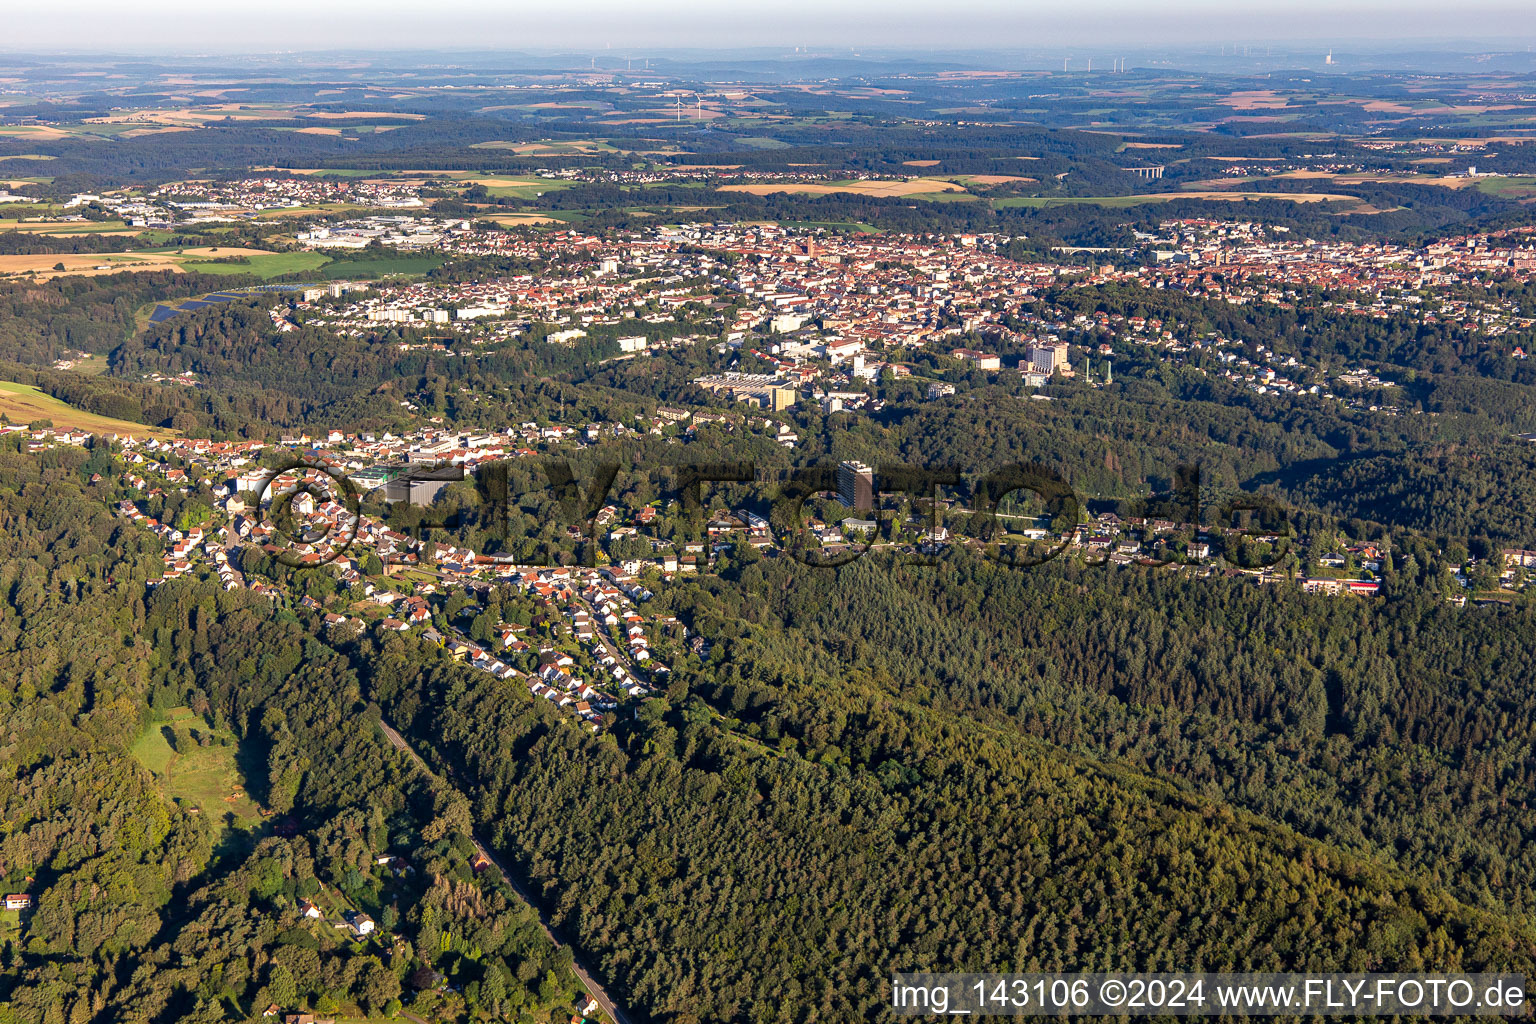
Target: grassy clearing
[(72, 227), (153, 750), (22, 403), (45, 132), (192, 775), (91, 366), (365, 269), (518, 188), (1520, 187), (197, 259), (273, 264)]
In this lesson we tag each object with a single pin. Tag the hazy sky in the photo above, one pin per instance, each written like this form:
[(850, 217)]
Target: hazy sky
[(227, 25)]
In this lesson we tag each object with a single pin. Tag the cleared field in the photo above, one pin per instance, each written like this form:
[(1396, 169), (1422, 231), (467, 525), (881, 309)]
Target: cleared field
[(135, 133), (1440, 180), (22, 403), (46, 265), (989, 179), (153, 750), (1514, 187), (69, 227), (262, 264), (549, 148), (518, 188), (518, 219), (341, 172), (201, 259), (194, 116), (1254, 99), (369, 269), (32, 131), (339, 115), (1293, 197), (905, 187), (206, 778), (1166, 197), (91, 366)]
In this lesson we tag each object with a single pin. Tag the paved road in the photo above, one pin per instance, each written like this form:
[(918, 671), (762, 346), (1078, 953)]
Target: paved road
[(595, 990)]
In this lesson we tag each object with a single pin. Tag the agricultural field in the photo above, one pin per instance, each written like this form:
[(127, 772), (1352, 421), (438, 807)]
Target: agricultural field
[(69, 227), (202, 259), (1116, 202), (513, 220), (32, 132), (988, 180), (262, 264), (577, 147), (899, 187), (22, 403), (517, 188), (1514, 187), (369, 269)]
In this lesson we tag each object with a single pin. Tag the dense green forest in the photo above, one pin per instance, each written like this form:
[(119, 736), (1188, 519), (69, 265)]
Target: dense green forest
[(150, 904), (959, 767), (971, 768)]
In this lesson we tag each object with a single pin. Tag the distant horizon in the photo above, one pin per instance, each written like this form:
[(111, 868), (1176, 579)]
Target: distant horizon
[(183, 28), (1404, 44)]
